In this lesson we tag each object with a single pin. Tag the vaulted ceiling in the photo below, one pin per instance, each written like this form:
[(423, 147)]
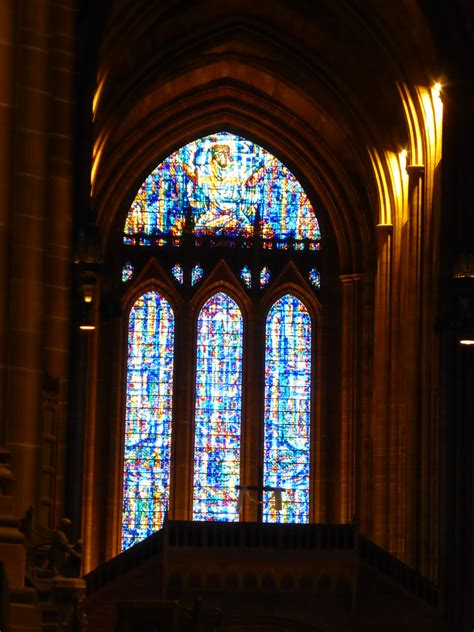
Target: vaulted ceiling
[(315, 82)]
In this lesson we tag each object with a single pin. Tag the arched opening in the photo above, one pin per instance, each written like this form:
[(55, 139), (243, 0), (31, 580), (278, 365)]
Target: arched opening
[(221, 209), (218, 409), (287, 429), (148, 417)]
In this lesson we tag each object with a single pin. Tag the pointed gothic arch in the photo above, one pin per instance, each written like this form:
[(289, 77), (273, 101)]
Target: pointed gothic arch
[(227, 208)]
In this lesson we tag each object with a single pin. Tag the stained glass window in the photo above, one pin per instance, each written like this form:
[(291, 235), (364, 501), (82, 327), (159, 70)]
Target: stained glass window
[(232, 187), (287, 410), (148, 417), (218, 410), (315, 278), (224, 192), (264, 276), (177, 272), (127, 272), (196, 274), (246, 276)]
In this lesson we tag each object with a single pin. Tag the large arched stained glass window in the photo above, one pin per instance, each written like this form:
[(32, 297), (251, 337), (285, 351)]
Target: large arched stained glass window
[(148, 417), (287, 410), (226, 185), (218, 410), (218, 198)]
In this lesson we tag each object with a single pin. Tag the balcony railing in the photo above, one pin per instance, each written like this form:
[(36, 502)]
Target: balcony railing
[(315, 539)]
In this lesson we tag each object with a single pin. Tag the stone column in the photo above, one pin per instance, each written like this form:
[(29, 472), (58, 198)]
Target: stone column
[(182, 472), (252, 432), (57, 262), (381, 461), (27, 249), (350, 409), (22, 614), (386, 457), (8, 10), (411, 363)]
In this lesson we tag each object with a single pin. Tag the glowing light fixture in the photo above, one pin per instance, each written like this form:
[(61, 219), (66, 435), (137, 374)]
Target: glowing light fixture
[(467, 342), (87, 319), (86, 322), (87, 327)]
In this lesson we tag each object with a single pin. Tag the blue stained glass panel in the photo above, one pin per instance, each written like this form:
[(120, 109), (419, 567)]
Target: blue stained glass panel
[(246, 276), (147, 448), (264, 276), (196, 274), (127, 272), (287, 410), (231, 185), (218, 410), (315, 278), (178, 273)]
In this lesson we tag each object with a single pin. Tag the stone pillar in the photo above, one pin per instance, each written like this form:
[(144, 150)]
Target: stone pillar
[(350, 396), (12, 551), (383, 453), (57, 259), (252, 433), (27, 250), (411, 363), (67, 598), (182, 484), (8, 10), (23, 615)]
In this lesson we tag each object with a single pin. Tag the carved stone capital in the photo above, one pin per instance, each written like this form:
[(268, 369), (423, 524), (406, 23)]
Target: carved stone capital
[(415, 172), (351, 278)]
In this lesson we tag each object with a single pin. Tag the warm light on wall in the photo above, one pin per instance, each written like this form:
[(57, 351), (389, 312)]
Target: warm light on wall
[(392, 183), (96, 156), (424, 113), (100, 140), (433, 117), (97, 95)]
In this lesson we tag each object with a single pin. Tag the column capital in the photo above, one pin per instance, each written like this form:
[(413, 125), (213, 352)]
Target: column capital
[(350, 278), (415, 171)]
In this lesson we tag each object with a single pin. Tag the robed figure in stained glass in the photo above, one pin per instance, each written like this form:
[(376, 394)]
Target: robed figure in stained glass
[(233, 187), (220, 196)]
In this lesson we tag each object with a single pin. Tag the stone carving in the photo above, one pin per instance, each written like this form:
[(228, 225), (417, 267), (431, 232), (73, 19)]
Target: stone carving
[(53, 565), (49, 552)]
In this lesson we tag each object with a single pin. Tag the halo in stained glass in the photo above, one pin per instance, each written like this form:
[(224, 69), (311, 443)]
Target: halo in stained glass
[(218, 410), (147, 446), (127, 272), (315, 278), (264, 276), (178, 273), (196, 274), (231, 186), (246, 276), (287, 410)]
